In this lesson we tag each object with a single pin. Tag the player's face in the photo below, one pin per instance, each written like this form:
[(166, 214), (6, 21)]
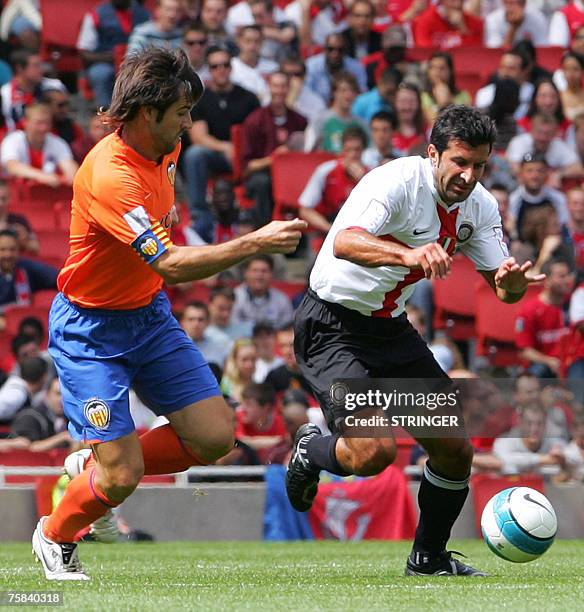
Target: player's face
[(458, 169), (175, 121)]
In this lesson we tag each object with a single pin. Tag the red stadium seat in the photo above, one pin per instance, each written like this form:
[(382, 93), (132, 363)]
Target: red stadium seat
[(290, 173), (44, 298), (484, 486), (62, 211), (495, 326), (454, 300), (61, 24), (54, 243), (15, 314), (29, 196)]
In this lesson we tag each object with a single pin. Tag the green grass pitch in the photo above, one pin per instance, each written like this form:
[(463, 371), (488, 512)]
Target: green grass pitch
[(300, 576)]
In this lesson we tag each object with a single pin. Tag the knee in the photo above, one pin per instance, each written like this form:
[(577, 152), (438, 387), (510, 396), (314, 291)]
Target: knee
[(217, 443), (453, 458), (119, 482), (373, 457)]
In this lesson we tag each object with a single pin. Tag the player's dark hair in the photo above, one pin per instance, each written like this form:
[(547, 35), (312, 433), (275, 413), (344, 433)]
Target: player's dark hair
[(457, 122), (33, 369), (153, 77), (260, 257), (263, 393), (220, 290), (354, 132)]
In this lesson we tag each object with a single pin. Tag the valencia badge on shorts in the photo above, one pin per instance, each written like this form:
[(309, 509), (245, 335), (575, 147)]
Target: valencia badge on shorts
[(171, 171), (97, 413)]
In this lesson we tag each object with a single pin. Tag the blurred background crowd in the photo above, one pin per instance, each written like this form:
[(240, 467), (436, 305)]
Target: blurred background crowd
[(301, 99)]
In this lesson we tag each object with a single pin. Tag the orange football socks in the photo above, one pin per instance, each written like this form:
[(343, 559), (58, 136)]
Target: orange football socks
[(82, 504), (164, 453)]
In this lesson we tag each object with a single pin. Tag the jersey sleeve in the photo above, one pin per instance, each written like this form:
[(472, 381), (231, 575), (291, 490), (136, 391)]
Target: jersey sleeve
[(119, 209), (379, 198), (486, 247)]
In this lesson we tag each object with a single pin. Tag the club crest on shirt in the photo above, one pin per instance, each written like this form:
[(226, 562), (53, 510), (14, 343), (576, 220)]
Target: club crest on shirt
[(97, 413), (465, 231), (148, 246), (171, 171)]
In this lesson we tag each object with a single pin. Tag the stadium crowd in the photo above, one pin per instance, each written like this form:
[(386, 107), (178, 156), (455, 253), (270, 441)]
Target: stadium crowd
[(338, 87)]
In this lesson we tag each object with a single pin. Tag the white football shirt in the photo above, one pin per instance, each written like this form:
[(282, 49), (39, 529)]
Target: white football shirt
[(398, 202)]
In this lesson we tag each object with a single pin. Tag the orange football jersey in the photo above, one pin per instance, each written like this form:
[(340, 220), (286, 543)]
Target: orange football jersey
[(120, 222)]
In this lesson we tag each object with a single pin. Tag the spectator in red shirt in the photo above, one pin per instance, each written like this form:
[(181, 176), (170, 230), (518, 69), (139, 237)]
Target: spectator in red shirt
[(267, 132), (541, 322), (446, 25), (259, 425), (332, 182)]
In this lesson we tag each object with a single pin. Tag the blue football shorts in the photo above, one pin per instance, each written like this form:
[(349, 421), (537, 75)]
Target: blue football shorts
[(100, 354)]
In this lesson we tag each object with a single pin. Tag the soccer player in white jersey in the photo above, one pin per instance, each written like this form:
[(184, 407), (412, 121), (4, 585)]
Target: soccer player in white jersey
[(401, 223)]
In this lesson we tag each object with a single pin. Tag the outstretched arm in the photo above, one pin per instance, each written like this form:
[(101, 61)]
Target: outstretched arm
[(184, 264), (511, 280)]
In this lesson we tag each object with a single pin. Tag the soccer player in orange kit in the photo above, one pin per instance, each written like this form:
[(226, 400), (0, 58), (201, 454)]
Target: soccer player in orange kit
[(111, 327)]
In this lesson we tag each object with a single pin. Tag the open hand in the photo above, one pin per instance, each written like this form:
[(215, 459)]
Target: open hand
[(513, 278)]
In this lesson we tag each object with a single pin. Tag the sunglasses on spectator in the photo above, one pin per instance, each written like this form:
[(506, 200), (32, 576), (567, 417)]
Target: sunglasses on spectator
[(293, 73), (331, 49), (201, 42), (220, 65)]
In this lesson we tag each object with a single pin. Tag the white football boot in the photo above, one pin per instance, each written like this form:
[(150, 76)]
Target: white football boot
[(60, 561), (104, 529)]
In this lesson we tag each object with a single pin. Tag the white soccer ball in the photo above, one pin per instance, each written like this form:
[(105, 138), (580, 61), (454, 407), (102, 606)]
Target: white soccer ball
[(519, 524)]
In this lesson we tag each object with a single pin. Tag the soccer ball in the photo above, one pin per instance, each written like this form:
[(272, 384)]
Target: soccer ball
[(519, 524)]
